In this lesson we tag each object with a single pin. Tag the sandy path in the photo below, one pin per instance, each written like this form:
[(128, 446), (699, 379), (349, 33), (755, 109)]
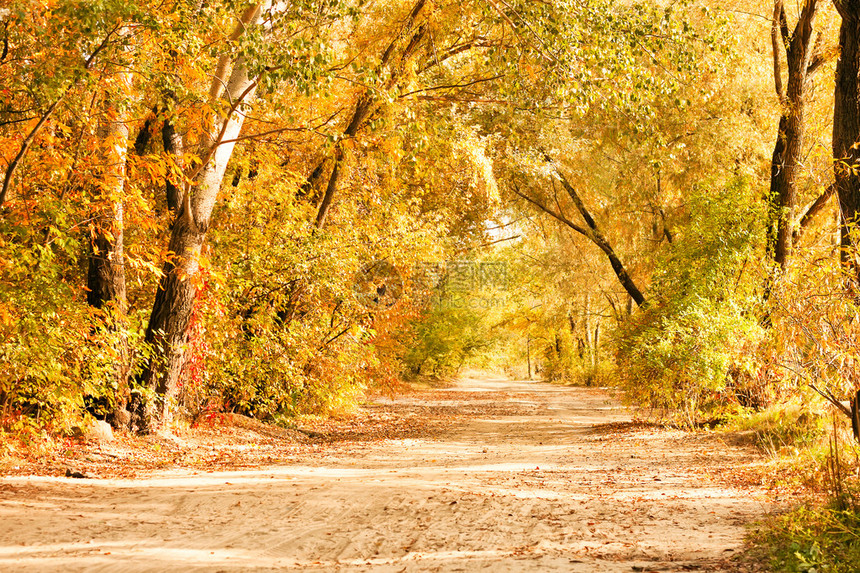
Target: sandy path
[(551, 480)]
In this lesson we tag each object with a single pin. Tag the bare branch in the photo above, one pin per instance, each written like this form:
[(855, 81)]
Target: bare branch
[(775, 42), (828, 395)]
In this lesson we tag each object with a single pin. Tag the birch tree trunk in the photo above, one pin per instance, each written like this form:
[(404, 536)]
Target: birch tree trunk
[(167, 331), (106, 273)]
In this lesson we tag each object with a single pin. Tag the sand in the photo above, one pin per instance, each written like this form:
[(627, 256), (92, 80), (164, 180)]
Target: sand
[(537, 477)]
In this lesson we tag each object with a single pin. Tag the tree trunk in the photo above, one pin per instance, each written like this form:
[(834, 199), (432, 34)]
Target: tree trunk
[(586, 324), (846, 133), (846, 155), (781, 195), (365, 108), (167, 331), (529, 355), (106, 271), (106, 287), (173, 146), (788, 150), (106, 274)]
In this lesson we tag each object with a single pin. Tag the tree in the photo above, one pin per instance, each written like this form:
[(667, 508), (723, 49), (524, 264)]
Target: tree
[(231, 91), (846, 166), (106, 280), (846, 132), (802, 61)]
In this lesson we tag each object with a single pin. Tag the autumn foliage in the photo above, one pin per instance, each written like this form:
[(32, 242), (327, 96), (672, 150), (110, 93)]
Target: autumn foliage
[(197, 199)]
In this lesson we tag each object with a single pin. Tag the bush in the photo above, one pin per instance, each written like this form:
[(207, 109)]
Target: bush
[(676, 355)]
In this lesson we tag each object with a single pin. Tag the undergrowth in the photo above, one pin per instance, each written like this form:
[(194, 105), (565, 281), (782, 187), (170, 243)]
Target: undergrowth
[(822, 534), (782, 429), (812, 540)]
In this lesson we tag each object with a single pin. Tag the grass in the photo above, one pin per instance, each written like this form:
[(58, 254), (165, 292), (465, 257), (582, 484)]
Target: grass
[(782, 429), (811, 540), (822, 534)]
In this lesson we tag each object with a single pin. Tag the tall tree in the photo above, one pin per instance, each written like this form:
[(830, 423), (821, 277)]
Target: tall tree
[(801, 64), (846, 132), (231, 89)]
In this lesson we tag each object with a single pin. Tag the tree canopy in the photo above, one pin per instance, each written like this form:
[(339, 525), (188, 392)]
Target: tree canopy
[(270, 207)]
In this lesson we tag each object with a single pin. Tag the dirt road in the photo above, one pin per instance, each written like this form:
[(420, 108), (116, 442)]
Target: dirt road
[(536, 478)]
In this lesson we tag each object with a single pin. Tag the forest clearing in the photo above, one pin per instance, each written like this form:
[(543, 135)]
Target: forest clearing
[(504, 476)]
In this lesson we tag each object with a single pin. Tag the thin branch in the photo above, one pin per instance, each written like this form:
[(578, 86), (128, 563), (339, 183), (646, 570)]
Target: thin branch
[(28, 141), (498, 241), (453, 51), (452, 86), (314, 129), (828, 395), (812, 211)]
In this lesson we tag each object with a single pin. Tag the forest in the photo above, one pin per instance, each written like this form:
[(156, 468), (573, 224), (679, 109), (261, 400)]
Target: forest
[(273, 209)]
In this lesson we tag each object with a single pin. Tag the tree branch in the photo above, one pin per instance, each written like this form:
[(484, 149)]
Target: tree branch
[(783, 26), (597, 237), (28, 141), (452, 86), (775, 42), (551, 213), (828, 395), (812, 211), (219, 78)]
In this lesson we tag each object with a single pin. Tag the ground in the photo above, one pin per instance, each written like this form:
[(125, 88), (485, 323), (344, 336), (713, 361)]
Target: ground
[(490, 474)]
